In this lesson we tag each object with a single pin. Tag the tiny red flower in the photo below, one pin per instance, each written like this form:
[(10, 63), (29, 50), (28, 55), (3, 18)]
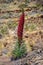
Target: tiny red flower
[(20, 27)]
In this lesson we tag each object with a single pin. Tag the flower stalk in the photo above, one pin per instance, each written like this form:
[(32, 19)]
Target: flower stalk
[(20, 27)]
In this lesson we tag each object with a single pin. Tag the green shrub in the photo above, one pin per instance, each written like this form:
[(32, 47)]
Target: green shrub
[(4, 30), (19, 51)]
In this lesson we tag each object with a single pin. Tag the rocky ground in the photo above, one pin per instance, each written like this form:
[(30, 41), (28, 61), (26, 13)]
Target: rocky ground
[(35, 57), (33, 29)]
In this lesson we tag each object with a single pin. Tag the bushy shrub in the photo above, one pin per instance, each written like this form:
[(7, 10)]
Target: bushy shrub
[(4, 30), (19, 51)]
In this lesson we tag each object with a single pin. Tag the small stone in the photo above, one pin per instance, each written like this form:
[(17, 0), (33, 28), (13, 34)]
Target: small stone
[(5, 51), (39, 51)]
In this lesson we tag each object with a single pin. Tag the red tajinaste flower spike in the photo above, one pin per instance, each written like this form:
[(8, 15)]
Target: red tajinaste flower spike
[(20, 27)]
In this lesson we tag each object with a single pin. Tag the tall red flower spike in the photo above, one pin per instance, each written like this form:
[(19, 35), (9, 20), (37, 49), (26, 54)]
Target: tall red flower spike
[(20, 27)]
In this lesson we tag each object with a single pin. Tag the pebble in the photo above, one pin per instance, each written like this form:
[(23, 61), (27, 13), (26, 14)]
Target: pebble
[(5, 51)]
